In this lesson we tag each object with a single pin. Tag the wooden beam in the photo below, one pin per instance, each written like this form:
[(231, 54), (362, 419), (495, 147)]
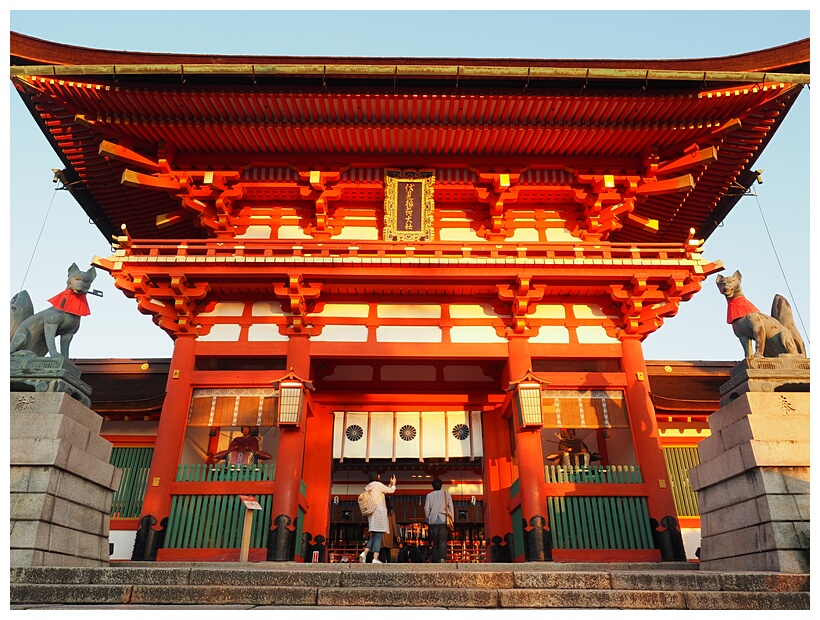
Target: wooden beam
[(147, 181), (683, 183), (698, 157), (127, 156)]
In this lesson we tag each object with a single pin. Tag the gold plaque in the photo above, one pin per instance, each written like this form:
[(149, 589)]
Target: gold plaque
[(408, 205)]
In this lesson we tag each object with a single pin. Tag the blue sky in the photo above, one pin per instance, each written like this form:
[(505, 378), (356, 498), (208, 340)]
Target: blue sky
[(766, 237)]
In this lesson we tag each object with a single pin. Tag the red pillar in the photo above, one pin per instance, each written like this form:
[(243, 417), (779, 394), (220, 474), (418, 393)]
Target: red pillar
[(283, 545), (645, 433), (170, 435), (530, 459), (498, 476), (317, 474)]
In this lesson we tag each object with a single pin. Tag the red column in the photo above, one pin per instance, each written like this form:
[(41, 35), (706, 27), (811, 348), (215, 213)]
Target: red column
[(645, 433), (530, 460), (289, 458), (317, 474), (498, 477), (170, 434)]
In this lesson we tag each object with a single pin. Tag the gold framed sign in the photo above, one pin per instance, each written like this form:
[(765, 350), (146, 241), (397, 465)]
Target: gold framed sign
[(408, 205)]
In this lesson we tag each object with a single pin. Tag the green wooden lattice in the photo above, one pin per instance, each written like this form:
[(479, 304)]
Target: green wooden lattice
[(679, 460), (216, 521), (134, 464)]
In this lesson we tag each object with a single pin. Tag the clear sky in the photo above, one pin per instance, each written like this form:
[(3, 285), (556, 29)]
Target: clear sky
[(766, 237)]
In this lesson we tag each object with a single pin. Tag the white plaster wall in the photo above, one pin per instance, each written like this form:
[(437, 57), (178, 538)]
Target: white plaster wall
[(227, 332), (225, 309), (408, 333), (256, 232), (474, 333), (342, 333)]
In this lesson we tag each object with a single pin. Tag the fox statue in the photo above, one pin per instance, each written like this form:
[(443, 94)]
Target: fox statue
[(38, 332), (773, 335)]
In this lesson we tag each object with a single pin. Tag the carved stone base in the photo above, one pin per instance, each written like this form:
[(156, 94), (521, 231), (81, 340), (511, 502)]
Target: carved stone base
[(787, 373), (32, 373), (61, 482)]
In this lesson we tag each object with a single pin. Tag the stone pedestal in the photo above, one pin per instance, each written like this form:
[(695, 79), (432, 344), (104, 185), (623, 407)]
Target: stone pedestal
[(32, 373), (61, 482), (753, 480)]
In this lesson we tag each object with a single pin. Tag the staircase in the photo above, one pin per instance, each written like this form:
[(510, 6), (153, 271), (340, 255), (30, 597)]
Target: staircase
[(135, 585)]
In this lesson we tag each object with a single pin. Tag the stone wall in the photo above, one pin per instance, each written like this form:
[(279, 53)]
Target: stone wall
[(61, 482), (753, 484)]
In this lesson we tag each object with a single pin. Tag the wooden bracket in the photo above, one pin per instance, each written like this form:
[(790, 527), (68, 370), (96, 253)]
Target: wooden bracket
[(319, 188), (295, 295), (497, 189), (522, 297)]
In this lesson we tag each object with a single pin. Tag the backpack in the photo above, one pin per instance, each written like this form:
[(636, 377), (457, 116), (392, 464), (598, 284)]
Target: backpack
[(366, 504)]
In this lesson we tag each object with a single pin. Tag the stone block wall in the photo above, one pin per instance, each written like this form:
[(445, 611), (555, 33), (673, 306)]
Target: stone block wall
[(753, 484), (61, 482)]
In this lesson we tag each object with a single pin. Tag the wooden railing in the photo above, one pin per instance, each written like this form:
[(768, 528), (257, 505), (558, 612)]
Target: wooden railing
[(605, 508), (432, 252), (206, 512), (595, 474)]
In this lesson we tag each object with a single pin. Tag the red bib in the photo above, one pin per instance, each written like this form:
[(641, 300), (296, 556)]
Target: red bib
[(739, 307), (71, 302)]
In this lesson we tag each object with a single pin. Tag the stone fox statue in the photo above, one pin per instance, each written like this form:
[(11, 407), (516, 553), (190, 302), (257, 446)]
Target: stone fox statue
[(38, 332), (772, 335)]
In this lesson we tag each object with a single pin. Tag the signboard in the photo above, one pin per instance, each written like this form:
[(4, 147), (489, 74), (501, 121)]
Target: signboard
[(250, 502), (408, 205)]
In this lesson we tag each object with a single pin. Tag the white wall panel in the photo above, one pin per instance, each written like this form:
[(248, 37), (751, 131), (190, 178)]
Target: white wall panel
[(410, 447), (265, 332), (554, 334), (267, 308), (471, 311), (432, 434), (225, 309), (356, 425), (458, 421), (381, 435), (477, 433), (256, 232), (342, 333), (408, 333), (344, 310), (338, 433), (409, 311), (594, 334), (589, 311), (549, 311), (358, 232), (474, 333), (221, 333), (292, 232)]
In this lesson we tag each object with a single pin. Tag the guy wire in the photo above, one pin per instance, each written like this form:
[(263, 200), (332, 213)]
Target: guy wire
[(779, 264), (37, 243)]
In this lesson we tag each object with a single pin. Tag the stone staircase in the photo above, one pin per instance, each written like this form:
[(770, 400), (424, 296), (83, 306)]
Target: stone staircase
[(144, 585)]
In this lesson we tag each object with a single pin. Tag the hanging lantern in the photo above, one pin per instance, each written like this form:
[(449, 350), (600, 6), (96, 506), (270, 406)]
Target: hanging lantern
[(527, 400), (292, 396)]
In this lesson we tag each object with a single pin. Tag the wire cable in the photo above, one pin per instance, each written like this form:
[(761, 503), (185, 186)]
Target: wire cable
[(780, 265), (37, 243)]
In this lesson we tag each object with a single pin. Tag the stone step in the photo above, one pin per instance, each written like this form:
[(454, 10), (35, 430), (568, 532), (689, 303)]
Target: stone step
[(408, 586)]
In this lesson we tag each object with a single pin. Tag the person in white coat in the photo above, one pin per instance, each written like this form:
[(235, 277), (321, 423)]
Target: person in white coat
[(377, 522)]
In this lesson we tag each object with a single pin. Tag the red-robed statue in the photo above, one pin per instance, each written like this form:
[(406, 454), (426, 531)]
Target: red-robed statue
[(243, 450)]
